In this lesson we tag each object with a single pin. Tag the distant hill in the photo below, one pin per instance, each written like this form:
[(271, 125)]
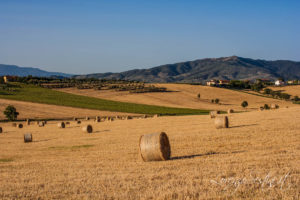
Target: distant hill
[(224, 68), (14, 70)]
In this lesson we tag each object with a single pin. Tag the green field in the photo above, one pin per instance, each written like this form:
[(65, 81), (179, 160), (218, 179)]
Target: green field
[(31, 93)]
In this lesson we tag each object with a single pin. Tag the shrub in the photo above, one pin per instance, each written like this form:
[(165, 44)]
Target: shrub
[(267, 91), (285, 96), (11, 113), (244, 104), (257, 87), (266, 107), (198, 96), (213, 101)]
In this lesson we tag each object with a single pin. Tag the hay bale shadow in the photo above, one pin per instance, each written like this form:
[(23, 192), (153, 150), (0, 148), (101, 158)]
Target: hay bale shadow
[(204, 154), (240, 126), (101, 131), (45, 140), (194, 155)]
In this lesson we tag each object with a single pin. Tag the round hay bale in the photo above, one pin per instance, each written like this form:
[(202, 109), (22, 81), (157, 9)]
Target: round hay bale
[(274, 106), (41, 124), (87, 118), (27, 137), (230, 111), (87, 129), (78, 122), (155, 147), (20, 125), (75, 118), (61, 125), (128, 117), (261, 108), (14, 124), (221, 122), (214, 113), (98, 119), (1, 131)]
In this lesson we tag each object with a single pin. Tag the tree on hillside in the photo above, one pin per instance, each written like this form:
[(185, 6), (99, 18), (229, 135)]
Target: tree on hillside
[(244, 104), (257, 87), (2, 80), (267, 91), (11, 113), (285, 96)]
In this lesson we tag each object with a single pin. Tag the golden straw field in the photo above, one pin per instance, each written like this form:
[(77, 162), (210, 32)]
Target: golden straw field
[(44, 111), (185, 96), (258, 157), (293, 90)]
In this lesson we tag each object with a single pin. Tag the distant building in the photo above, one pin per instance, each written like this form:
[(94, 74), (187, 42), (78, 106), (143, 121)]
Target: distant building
[(293, 82), (9, 78), (279, 83), (224, 82), (212, 83)]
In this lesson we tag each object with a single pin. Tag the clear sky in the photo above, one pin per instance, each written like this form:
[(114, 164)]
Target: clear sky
[(87, 36)]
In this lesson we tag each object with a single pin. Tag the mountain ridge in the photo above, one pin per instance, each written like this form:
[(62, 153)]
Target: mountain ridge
[(201, 70), (14, 70)]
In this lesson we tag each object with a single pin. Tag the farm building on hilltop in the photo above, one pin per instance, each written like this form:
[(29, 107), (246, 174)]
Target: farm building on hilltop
[(279, 83), (224, 82), (9, 78), (212, 83)]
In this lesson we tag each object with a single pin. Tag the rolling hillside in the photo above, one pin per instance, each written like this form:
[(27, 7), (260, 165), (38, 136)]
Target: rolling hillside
[(211, 68), (185, 96)]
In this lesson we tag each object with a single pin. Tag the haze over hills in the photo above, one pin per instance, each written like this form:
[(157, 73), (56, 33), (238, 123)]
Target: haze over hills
[(14, 70), (226, 68)]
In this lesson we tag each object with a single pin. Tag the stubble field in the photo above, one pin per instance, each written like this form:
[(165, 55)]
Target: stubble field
[(30, 110), (256, 158), (185, 96), (293, 90)]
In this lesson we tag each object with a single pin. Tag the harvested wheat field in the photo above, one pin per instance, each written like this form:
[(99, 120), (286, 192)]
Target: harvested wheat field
[(293, 90), (44, 111), (257, 157), (185, 96)]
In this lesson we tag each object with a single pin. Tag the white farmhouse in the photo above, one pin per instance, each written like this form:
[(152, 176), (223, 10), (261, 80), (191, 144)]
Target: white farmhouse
[(279, 83)]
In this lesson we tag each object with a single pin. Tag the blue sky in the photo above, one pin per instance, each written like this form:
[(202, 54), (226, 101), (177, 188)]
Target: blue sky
[(101, 36)]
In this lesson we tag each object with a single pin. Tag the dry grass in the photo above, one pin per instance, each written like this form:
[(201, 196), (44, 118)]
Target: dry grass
[(44, 111), (293, 90), (185, 96), (206, 163)]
